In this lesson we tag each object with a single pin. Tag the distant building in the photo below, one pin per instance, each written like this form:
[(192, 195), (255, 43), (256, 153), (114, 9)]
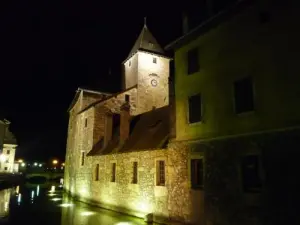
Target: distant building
[(238, 114), (8, 145)]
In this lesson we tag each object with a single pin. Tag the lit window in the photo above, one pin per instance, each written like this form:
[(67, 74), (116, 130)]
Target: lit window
[(154, 60), (197, 173), (193, 61), (160, 171), (113, 172), (195, 108), (97, 172), (135, 173), (243, 95), (250, 174), (82, 158)]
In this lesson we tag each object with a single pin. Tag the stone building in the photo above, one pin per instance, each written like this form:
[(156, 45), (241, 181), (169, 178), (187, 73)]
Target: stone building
[(117, 154), (237, 113), (8, 145)]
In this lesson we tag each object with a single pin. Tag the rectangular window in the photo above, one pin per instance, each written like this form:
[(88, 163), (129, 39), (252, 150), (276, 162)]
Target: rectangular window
[(250, 174), (243, 95), (5, 168), (160, 169), (135, 173), (85, 122), (154, 60), (193, 61), (8, 152), (195, 108), (113, 172), (127, 98), (97, 172), (197, 173), (82, 158)]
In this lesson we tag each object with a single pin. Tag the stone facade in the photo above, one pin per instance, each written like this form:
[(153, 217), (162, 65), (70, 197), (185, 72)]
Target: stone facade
[(248, 40)]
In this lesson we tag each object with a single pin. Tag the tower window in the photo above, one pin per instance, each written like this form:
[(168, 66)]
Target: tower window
[(151, 44), (195, 108), (197, 173), (113, 172), (135, 173), (85, 122), (8, 152), (243, 95), (154, 60), (127, 98), (193, 61), (129, 63), (160, 173)]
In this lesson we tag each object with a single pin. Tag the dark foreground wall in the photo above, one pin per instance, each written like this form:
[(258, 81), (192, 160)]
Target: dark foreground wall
[(250, 179)]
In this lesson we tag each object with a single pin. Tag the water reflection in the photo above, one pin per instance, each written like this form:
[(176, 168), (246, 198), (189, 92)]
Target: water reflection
[(49, 205), (4, 202)]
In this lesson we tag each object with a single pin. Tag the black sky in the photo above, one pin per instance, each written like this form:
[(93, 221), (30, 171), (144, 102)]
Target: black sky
[(50, 48)]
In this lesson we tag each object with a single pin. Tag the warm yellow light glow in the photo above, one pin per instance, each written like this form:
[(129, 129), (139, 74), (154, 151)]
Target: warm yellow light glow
[(52, 188), (17, 189), (20, 161), (87, 213), (66, 205), (5, 206), (51, 194), (3, 158), (56, 199), (63, 164), (55, 161), (23, 164), (123, 223)]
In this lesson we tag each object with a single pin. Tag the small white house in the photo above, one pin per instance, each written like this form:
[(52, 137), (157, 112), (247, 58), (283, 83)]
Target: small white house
[(8, 147)]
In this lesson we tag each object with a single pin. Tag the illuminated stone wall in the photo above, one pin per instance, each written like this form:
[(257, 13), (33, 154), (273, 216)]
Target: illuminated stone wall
[(169, 202), (153, 82)]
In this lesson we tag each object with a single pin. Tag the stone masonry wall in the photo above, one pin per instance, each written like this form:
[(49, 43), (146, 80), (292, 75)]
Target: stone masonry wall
[(148, 95), (169, 202)]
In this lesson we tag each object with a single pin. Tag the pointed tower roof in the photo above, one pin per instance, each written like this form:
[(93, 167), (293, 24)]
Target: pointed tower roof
[(146, 42)]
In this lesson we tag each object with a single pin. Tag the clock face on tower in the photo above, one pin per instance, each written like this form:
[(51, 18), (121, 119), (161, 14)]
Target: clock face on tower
[(154, 82)]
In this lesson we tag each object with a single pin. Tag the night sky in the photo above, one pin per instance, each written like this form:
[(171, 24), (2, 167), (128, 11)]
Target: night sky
[(50, 48)]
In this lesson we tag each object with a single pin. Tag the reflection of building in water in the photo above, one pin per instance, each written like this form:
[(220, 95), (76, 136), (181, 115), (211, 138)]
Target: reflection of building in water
[(4, 202)]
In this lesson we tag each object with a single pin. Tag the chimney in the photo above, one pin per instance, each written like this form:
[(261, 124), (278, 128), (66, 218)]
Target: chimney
[(185, 23), (108, 128), (125, 122)]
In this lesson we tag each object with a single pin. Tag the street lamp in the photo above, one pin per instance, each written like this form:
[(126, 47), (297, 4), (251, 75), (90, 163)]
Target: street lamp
[(35, 164), (54, 162), (20, 161)]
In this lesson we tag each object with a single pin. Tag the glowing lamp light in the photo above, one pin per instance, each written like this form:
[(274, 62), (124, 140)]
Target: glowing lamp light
[(20, 161), (55, 162), (52, 188), (56, 199), (3, 158), (40, 165), (51, 194), (66, 205), (35, 164), (87, 213), (23, 164)]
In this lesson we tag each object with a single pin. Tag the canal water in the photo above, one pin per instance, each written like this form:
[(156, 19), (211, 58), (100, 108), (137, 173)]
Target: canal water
[(34, 204)]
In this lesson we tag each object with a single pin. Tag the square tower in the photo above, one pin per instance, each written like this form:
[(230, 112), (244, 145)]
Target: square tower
[(147, 68)]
